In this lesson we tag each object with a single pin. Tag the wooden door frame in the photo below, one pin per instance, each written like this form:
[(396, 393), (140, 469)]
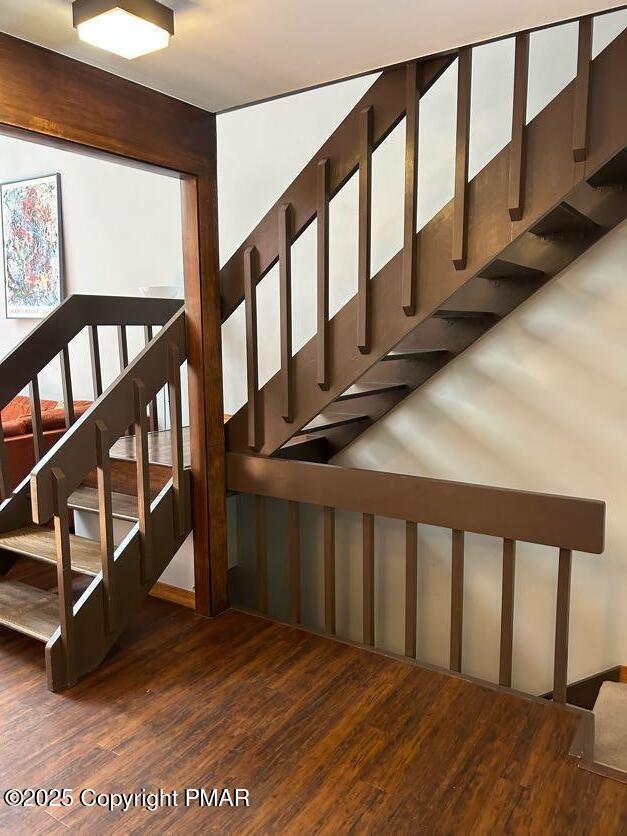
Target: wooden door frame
[(50, 98)]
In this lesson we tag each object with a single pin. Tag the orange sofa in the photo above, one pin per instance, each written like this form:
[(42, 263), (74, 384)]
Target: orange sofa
[(18, 433)]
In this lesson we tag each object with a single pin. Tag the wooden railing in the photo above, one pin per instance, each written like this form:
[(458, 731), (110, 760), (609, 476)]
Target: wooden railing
[(565, 523), (85, 446), (51, 339), (498, 206)]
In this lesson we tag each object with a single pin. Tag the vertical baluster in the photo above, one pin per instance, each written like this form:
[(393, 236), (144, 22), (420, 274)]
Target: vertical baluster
[(176, 437), (96, 368), (582, 90), (410, 240), (64, 571), (460, 211), (507, 612), (252, 363), (560, 669), (35, 415), (365, 218), (457, 600), (66, 383), (411, 587), (4, 468), (262, 554), (143, 478), (105, 512), (153, 412), (368, 579), (293, 534), (323, 274), (329, 570), (285, 284), (122, 347), (519, 117)]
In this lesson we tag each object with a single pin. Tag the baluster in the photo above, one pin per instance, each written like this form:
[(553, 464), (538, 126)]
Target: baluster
[(143, 478), (410, 240), (582, 90), (262, 554), (153, 412), (176, 437), (368, 579), (122, 347), (411, 587), (560, 669), (457, 600), (64, 571), (35, 414), (460, 211), (66, 383), (365, 217), (105, 512), (507, 612), (329, 570), (252, 363), (293, 534), (96, 369), (519, 117), (4, 468), (285, 283), (323, 274)]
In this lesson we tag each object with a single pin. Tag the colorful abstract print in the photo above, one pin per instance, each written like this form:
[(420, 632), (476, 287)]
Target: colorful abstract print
[(32, 247)]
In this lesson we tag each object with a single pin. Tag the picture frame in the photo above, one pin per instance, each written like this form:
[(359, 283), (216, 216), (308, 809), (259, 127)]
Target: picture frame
[(32, 246)]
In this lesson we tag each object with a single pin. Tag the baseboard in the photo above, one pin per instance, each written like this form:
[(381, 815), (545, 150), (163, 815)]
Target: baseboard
[(584, 693), (175, 595)]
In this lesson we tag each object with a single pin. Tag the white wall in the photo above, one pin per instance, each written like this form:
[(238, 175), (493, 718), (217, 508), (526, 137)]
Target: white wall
[(530, 406)]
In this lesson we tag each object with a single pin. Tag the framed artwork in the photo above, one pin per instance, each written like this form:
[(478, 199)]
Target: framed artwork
[(32, 246)]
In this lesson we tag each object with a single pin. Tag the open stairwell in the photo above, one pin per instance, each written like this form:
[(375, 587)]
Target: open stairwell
[(105, 463)]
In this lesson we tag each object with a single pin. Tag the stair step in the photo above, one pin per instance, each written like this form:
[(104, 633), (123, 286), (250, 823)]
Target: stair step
[(506, 270), (565, 222), (124, 506), (28, 610), (363, 390), (39, 543), (613, 173), (416, 354), (330, 420), (445, 313)]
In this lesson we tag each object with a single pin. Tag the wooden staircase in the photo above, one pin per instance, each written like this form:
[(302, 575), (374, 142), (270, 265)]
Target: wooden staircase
[(520, 221), (96, 467)]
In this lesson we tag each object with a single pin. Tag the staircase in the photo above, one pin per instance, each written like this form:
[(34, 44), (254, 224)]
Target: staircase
[(540, 203), (108, 462)]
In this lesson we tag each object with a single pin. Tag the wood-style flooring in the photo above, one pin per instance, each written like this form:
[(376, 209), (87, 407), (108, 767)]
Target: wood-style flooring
[(327, 738)]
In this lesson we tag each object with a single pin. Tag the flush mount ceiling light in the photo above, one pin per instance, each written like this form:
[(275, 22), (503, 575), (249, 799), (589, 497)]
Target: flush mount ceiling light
[(129, 28)]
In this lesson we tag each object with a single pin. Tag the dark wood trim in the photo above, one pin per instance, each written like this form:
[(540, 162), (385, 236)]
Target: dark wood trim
[(500, 512), (584, 692), (507, 613), (519, 121), (411, 241), (411, 587), (252, 359), (364, 313), (368, 579), (261, 554), (293, 559), (560, 668), (457, 600), (285, 291), (462, 142), (329, 570), (582, 90), (322, 275), (175, 595)]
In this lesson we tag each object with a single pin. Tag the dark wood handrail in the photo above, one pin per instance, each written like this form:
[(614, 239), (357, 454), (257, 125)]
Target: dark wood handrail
[(51, 337), (386, 97), (76, 453), (561, 521)]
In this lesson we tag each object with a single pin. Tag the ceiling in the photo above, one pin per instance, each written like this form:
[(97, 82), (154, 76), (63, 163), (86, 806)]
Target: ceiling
[(227, 53)]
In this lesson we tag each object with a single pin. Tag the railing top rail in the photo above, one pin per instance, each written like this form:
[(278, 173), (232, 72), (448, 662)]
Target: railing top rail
[(52, 335), (561, 521), (75, 453)]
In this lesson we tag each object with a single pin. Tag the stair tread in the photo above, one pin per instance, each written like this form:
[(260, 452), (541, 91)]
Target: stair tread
[(415, 353), (361, 390), (28, 610), (564, 220), (329, 420), (124, 507), (447, 313), (39, 543), (502, 269)]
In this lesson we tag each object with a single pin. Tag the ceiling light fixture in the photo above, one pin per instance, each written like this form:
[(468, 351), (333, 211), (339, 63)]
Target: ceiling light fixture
[(129, 28)]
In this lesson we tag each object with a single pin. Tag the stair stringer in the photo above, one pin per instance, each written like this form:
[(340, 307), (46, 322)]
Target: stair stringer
[(93, 641), (551, 175)]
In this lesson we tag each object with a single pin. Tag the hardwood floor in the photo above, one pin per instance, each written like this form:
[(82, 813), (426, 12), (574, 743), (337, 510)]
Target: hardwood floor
[(327, 738)]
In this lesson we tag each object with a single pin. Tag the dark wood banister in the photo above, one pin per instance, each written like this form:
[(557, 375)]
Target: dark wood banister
[(567, 523)]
